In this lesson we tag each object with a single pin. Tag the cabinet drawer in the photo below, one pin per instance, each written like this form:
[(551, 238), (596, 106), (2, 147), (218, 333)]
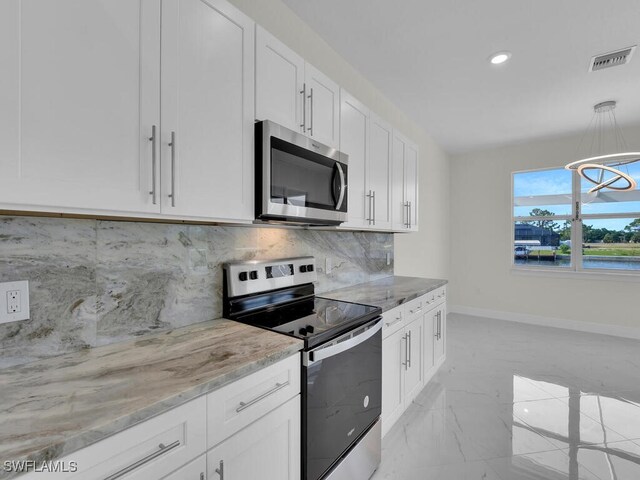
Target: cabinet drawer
[(393, 320), (416, 307), (435, 297), (235, 406), (151, 449)]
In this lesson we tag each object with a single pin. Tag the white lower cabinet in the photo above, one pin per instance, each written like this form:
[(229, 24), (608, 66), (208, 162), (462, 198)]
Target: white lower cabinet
[(392, 379), (268, 449), (413, 348), (194, 470)]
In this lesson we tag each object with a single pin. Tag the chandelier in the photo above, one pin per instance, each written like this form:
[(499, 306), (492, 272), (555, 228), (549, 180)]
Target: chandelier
[(606, 170)]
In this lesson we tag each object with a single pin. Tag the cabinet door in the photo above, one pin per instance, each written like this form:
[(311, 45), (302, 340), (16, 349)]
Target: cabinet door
[(268, 449), (411, 183), (207, 110), (393, 359), (379, 171), (399, 209), (79, 96), (430, 339), (439, 346), (323, 107), (195, 470), (413, 373), (279, 82), (354, 141)]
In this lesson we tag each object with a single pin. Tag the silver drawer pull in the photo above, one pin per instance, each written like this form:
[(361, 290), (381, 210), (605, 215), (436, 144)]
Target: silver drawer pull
[(277, 387), (397, 320), (162, 449)]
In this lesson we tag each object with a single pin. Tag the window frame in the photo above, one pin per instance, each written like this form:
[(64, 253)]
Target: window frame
[(576, 218)]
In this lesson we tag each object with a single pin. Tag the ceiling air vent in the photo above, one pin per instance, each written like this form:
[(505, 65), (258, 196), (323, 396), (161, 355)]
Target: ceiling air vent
[(612, 59)]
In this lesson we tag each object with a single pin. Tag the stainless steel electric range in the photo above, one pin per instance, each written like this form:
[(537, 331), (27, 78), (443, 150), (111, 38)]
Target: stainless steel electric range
[(341, 361)]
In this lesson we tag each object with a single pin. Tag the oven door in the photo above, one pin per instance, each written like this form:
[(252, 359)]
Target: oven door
[(342, 396), (299, 179)]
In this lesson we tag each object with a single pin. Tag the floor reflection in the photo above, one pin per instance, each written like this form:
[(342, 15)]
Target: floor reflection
[(519, 402), (593, 429)]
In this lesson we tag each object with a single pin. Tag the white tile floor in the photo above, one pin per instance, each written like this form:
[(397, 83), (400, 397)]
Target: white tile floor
[(516, 402)]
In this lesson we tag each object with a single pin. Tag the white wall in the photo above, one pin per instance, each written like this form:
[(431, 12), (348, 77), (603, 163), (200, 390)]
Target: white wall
[(481, 276), (419, 254)]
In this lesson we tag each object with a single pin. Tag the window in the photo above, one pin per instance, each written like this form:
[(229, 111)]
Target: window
[(558, 223)]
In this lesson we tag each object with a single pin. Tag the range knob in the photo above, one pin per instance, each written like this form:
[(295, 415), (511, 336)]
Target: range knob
[(303, 268), (253, 274), (302, 331), (310, 328), (310, 267), (243, 276)]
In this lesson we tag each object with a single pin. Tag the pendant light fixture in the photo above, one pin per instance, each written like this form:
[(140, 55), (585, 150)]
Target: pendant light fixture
[(606, 170)]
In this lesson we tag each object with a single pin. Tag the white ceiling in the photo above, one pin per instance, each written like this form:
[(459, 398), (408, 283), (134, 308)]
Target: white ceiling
[(430, 58)]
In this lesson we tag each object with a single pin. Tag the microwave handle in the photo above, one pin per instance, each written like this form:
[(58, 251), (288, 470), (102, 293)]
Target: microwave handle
[(309, 358), (343, 185)]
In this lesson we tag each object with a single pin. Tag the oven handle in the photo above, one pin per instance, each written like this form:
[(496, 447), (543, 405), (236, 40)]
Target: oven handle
[(314, 356)]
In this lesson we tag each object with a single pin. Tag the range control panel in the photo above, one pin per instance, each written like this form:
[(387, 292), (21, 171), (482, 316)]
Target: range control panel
[(255, 276)]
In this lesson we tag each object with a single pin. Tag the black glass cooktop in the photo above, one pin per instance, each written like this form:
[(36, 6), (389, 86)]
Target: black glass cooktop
[(313, 319)]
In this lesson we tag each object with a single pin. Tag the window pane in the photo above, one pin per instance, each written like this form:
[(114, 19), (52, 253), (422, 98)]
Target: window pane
[(542, 243), (611, 243), (607, 200), (545, 192)]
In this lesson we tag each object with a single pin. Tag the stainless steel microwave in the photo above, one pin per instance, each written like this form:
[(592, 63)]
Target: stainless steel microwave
[(298, 180)]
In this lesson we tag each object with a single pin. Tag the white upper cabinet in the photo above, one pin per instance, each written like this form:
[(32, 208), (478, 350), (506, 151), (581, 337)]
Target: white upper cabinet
[(404, 184), (279, 82), (379, 171), (354, 141), (207, 110), (294, 93), (79, 90), (323, 107), (411, 183), (367, 140)]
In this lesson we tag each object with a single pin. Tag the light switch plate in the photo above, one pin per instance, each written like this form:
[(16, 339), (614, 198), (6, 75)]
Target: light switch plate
[(14, 301)]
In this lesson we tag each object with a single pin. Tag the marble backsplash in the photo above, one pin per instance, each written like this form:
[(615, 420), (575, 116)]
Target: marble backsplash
[(96, 282)]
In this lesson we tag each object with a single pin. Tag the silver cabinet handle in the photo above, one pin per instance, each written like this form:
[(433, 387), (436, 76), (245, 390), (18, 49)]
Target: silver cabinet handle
[(417, 310), (162, 449), (278, 386), (373, 217), (437, 325), (201, 475), (303, 92), (220, 470), (311, 113), (406, 211), (369, 196), (152, 139), (409, 348), (172, 144), (405, 337), (410, 219), (397, 320)]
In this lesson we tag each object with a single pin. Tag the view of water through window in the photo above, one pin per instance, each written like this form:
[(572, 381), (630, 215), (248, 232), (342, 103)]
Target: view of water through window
[(548, 228)]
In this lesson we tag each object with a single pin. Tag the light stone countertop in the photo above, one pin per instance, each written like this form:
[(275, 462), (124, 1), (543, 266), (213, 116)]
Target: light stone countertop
[(388, 292), (54, 407)]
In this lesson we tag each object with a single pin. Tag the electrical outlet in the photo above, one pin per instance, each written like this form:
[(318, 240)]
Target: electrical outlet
[(388, 258), (14, 301), (328, 265)]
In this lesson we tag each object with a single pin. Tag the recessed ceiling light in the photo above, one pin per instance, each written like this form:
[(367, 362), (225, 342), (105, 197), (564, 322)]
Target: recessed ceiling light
[(499, 57)]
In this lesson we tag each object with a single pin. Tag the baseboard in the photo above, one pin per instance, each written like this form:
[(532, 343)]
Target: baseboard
[(580, 326)]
